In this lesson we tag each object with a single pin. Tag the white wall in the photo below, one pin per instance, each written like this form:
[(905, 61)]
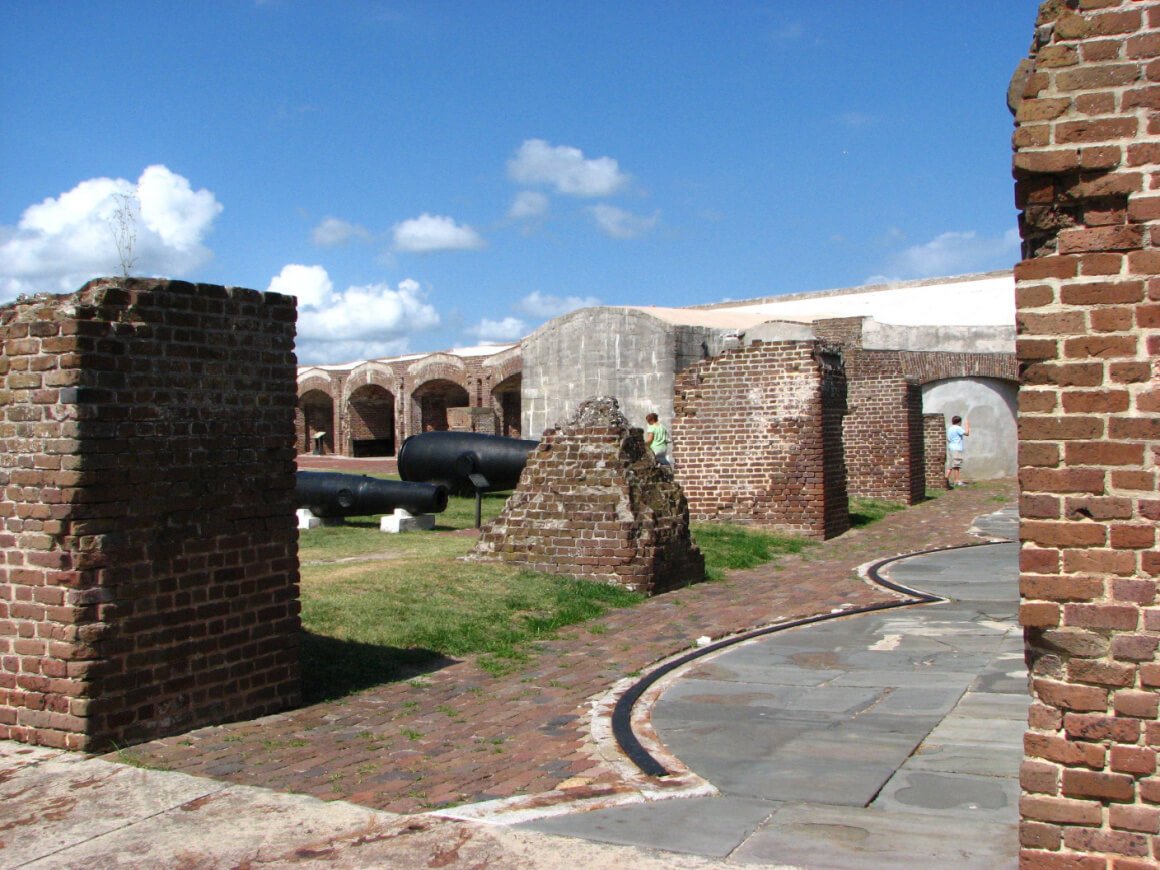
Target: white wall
[(990, 405)]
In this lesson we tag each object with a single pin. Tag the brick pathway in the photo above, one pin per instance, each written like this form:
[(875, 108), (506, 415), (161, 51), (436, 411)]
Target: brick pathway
[(461, 735)]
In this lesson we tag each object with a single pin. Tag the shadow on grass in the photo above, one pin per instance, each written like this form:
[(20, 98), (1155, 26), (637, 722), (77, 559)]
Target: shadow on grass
[(864, 511), (335, 668)]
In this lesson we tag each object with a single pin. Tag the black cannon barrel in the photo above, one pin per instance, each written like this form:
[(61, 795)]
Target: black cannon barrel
[(332, 494), (451, 457)]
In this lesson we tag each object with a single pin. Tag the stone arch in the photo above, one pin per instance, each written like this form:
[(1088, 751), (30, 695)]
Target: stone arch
[(505, 373), (371, 416), (370, 410), (505, 398), (431, 401), (437, 382), (926, 367), (438, 366), (315, 412), (314, 423)]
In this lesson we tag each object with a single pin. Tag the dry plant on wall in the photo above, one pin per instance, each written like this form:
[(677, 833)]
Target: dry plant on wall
[(123, 225)]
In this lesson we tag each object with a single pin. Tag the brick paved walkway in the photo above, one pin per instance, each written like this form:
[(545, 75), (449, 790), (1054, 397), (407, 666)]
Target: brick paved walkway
[(461, 735)]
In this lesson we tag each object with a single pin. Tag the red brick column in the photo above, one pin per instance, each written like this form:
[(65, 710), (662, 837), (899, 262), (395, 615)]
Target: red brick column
[(1087, 170), (935, 449), (148, 550), (883, 438), (757, 438)]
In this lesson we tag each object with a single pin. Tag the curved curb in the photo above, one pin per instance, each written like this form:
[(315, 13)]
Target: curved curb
[(622, 730)]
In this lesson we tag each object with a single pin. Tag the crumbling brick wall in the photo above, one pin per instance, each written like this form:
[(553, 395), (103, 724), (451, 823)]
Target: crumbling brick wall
[(757, 438), (148, 549), (1087, 170), (593, 503)]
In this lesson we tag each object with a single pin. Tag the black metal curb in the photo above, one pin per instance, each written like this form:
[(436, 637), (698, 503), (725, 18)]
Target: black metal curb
[(622, 731)]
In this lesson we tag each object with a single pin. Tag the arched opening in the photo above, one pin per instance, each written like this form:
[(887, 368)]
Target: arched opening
[(372, 421), (990, 405), (431, 401), (506, 400), (316, 423)]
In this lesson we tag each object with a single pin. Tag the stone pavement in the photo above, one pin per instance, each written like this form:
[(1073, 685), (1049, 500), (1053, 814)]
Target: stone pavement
[(889, 739), (520, 744)]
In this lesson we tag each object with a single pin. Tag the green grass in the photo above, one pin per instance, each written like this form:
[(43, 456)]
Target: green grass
[(728, 547), (379, 607), (864, 511)]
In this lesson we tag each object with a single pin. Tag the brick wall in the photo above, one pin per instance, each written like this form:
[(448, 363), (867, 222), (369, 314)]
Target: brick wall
[(148, 550), (420, 393), (885, 440), (935, 450), (593, 503), (757, 412), (1087, 170)]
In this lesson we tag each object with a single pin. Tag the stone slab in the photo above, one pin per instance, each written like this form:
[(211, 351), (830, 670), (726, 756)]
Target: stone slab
[(967, 796), (710, 826), (846, 839), (403, 521)]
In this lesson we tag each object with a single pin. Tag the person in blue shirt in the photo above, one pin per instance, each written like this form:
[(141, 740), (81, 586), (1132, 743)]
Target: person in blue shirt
[(956, 432)]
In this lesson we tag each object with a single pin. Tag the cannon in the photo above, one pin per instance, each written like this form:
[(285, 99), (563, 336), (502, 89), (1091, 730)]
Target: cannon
[(331, 495), (464, 462)]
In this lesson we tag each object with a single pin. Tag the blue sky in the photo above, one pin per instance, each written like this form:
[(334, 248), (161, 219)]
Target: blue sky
[(428, 175)]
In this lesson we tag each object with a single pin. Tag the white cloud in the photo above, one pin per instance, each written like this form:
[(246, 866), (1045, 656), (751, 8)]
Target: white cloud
[(361, 322), (333, 352), (791, 32), (62, 242), (565, 169), (954, 253), (528, 204), (508, 329), (429, 232), (856, 119), (545, 307), (333, 232), (621, 224), (311, 284)]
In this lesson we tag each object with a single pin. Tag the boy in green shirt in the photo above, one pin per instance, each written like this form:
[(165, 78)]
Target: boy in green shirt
[(656, 437)]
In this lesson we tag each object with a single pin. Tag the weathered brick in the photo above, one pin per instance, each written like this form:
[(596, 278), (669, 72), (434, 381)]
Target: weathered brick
[(1122, 617), (1091, 726), (1090, 784), (1060, 810)]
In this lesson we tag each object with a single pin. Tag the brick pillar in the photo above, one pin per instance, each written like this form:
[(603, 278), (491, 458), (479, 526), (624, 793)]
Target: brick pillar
[(883, 439), (935, 451), (770, 414), (1087, 170), (148, 550)]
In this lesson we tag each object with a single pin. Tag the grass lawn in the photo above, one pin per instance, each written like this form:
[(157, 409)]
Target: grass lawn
[(379, 607)]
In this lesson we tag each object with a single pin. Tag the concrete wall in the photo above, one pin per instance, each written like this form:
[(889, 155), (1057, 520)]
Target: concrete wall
[(618, 352), (990, 405), (944, 339)]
